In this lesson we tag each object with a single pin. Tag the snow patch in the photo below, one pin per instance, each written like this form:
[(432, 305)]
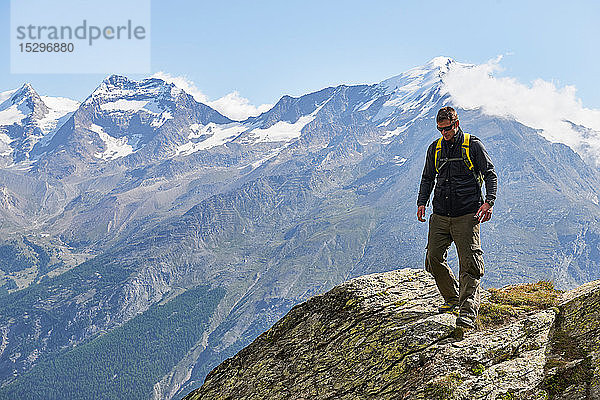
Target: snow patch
[(4, 138), (13, 113), (271, 154), (281, 131), (414, 89), (399, 161), (124, 105), (366, 105), (59, 109), (160, 120), (115, 148), (5, 149), (284, 131), (395, 132), (149, 105), (7, 95), (214, 134)]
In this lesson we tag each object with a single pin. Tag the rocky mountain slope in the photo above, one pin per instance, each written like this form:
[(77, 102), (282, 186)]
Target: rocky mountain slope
[(379, 336)]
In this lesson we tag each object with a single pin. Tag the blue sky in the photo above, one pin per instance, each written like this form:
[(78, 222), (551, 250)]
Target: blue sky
[(265, 49)]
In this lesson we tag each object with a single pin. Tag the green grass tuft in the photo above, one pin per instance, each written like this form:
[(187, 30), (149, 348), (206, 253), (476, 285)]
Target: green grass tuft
[(540, 295), (507, 304)]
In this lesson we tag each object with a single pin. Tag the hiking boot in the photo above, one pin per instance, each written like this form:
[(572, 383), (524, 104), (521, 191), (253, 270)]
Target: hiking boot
[(465, 323), (448, 308)]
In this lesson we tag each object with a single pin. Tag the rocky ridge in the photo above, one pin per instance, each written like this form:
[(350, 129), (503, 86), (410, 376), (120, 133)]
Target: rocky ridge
[(379, 336)]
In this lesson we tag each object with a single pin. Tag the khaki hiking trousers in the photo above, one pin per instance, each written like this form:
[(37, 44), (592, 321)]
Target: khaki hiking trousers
[(464, 232)]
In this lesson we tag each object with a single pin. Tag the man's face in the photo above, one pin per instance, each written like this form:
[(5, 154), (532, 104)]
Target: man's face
[(450, 131)]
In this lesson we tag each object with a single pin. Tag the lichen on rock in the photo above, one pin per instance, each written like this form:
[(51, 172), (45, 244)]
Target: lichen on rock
[(380, 336)]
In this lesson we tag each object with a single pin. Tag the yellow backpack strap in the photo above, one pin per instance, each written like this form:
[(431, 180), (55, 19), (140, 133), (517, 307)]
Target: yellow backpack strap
[(467, 158), (438, 150), (465, 151)]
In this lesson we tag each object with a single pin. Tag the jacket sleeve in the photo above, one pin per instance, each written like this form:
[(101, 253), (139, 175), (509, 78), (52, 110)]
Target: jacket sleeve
[(428, 178), (483, 163)]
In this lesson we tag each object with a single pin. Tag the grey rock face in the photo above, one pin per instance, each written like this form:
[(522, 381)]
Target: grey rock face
[(380, 337)]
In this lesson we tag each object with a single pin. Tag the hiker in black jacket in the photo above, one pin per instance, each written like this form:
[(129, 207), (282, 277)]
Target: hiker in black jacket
[(457, 165)]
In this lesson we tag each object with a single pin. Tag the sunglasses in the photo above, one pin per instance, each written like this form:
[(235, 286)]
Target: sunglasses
[(447, 128)]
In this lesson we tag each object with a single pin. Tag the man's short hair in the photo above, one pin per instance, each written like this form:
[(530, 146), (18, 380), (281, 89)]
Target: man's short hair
[(447, 114)]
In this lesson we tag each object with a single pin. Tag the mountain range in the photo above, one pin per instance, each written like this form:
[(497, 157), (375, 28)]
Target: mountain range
[(141, 205)]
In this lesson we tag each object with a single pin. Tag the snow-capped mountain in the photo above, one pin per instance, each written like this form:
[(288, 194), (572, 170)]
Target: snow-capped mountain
[(122, 117), (26, 119), (378, 112)]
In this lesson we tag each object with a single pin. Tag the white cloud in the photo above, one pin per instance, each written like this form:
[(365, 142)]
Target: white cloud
[(237, 107), (231, 105), (540, 105), (183, 83)]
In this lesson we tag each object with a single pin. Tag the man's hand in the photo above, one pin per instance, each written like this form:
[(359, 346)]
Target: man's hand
[(484, 213), (421, 213)]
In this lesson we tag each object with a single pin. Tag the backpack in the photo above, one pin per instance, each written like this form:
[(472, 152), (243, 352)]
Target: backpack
[(466, 158)]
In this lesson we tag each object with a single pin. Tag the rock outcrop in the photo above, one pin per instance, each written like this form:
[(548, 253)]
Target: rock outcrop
[(379, 336)]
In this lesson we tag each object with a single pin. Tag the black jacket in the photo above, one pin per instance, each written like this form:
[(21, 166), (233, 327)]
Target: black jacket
[(456, 191)]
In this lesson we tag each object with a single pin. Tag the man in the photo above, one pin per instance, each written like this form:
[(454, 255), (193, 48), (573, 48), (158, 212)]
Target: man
[(456, 166)]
